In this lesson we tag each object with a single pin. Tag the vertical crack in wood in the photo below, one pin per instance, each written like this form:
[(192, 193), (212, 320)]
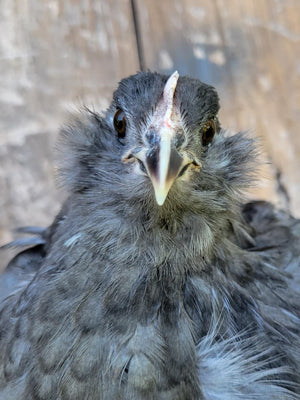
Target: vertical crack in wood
[(228, 64), (138, 35)]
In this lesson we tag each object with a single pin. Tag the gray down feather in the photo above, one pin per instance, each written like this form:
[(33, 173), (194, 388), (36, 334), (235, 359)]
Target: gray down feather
[(122, 298)]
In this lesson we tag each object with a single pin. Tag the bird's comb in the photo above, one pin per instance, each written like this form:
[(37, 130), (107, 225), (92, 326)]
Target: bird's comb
[(168, 95)]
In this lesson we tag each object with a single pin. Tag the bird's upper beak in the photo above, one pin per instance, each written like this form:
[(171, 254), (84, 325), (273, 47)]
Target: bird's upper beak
[(162, 160), (163, 164)]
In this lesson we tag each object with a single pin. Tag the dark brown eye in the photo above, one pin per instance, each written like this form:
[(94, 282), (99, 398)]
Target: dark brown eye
[(120, 123), (208, 132)]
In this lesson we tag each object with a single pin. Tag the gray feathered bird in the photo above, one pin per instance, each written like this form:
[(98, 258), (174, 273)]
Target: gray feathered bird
[(154, 282)]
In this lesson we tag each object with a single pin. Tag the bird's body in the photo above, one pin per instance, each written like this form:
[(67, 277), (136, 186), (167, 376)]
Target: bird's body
[(154, 282)]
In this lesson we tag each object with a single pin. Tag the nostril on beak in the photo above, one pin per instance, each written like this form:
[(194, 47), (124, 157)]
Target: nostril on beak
[(152, 138)]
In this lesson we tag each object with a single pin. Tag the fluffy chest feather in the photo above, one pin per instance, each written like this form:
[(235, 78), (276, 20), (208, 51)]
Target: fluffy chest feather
[(181, 340)]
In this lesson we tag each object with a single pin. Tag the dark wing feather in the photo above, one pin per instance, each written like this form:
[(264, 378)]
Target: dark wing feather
[(22, 268), (277, 237)]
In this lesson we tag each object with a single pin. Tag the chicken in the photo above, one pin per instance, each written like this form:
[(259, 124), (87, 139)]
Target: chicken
[(155, 281)]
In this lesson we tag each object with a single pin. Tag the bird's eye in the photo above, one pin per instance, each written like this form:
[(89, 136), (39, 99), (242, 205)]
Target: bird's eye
[(120, 123), (208, 132)]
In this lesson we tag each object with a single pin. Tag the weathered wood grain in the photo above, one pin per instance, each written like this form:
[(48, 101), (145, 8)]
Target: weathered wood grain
[(250, 52), (264, 39), (55, 55), (58, 54)]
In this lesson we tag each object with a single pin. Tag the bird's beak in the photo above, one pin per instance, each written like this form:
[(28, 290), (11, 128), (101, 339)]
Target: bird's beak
[(163, 164), (162, 160)]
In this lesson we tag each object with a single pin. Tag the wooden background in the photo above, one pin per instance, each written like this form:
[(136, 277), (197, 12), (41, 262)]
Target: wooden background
[(56, 55)]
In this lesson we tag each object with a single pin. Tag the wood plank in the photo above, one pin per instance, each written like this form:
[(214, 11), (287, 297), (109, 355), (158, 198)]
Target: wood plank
[(187, 36), (250, 52), (54, 54), (264, 39)]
